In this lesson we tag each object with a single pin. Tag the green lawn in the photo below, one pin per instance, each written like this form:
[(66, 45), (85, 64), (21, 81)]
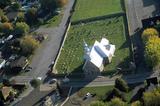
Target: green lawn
[(93, 8), (99, 91), (54, 21), (71, 57)]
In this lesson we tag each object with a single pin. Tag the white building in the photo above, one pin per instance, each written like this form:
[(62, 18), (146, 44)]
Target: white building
[(97, 56)]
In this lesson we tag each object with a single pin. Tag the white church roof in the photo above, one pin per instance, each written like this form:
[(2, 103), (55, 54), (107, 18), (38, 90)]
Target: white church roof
[(99, 51)]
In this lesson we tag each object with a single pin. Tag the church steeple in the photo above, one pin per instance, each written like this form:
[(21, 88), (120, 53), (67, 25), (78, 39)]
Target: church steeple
[(86, 50)]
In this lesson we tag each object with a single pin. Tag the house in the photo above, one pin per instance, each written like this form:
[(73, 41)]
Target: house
[(20, 80), (97, 56), (19, 64)]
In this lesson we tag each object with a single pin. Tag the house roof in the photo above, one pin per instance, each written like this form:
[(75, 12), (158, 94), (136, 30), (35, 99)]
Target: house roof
[(12, 15), (20, 80), (5, 91)]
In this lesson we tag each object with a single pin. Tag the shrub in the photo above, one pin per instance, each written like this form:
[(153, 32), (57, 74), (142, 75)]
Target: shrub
[(28, 44), (152, 51), (21, 28), (35, 83), (149, 32), (121, 85)]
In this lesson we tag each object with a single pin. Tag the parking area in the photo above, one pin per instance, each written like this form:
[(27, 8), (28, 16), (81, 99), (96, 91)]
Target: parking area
[(147, 8)]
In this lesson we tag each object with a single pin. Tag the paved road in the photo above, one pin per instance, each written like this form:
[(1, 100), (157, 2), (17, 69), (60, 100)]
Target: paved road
[(106, 81), (49, 49)]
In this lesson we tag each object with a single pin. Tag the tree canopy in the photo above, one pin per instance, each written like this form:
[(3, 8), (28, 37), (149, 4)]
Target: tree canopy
[(148, 33), (152, 51), (21, 28), (28, 44)]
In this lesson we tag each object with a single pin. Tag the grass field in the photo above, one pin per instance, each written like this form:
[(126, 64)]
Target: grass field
[(93, 8), (99, 91), (71, 57), (54, 21)]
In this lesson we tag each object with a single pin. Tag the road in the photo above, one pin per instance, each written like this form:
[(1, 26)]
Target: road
[(49, 49), (107, 81), (45, 54)]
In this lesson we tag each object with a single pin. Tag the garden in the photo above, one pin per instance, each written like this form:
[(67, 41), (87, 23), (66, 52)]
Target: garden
[(95, 8), (71, 57)]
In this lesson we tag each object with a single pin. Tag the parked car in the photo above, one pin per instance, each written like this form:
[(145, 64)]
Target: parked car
[(52, 81), (28, 69), (88, 95)]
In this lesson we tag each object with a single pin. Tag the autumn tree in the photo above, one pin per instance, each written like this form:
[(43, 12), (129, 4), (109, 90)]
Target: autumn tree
[(28, 44), (51, 5), (21, 28), (62, 3), (6, 28), (148, 33), (152, 51)]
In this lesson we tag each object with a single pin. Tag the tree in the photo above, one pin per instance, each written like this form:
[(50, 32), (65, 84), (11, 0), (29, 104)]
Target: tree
[(4, 3), (117, 102), (97, 103), (35, 83), (31, 16), (20, 17), (28, 44), (16, 6), (4, 19), (6, 28), (152, 51), (49, 5), (21, 28), (62, 3), (149, 32), (121, 85), (136, 103), (152, 98)]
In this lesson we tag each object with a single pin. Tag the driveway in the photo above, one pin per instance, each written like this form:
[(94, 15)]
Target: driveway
[(49, 49)]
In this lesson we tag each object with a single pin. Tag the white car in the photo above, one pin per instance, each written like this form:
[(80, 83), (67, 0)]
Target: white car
[(52, 81), (39, 78)]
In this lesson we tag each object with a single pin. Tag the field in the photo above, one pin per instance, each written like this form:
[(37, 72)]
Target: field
[(99, 91), (93, 8), (71, 57), (54, 21)]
